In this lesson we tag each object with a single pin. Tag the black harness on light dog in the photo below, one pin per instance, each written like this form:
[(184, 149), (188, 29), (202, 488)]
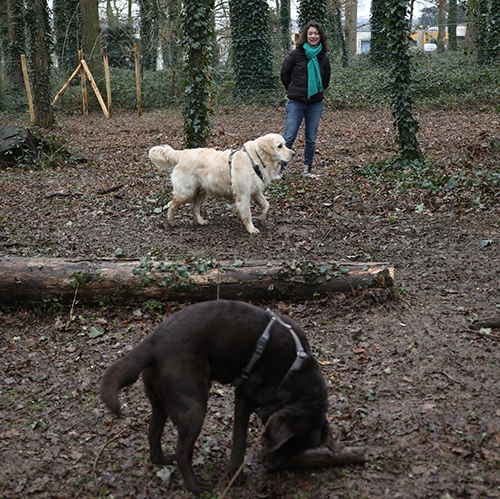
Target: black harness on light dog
[(261, 345), (255, 166)]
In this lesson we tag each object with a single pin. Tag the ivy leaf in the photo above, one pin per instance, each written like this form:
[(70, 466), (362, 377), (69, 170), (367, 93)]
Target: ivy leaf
[(95, 333)]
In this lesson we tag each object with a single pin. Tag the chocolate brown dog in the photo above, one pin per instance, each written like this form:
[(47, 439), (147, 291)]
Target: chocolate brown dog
[(267, 358)]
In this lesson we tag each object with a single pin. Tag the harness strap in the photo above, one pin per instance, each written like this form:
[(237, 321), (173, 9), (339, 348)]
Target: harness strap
[(255, 166), (231, 154), (261, 345)]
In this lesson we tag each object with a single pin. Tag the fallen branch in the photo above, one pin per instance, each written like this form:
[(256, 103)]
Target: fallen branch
[(322, 458), (483, 334), (488, 322), (110, 189), (62, 194)]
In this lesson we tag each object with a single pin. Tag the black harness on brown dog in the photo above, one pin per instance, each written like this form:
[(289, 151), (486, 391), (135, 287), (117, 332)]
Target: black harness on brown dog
[(255, 166), (261, 345)]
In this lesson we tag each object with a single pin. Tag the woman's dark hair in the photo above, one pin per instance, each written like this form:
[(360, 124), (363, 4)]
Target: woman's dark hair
[(322, 33)]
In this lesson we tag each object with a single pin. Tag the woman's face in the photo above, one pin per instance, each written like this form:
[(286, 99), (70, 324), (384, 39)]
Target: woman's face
[(313, 37)]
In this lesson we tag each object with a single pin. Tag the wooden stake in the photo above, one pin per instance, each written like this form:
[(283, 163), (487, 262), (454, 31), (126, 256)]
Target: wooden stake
[(108, 79), (138, 79), (94, 86), (67, 84), (28, 88), (84, 85)]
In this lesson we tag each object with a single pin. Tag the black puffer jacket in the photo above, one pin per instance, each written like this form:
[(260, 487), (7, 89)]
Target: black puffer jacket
[(294, 75)]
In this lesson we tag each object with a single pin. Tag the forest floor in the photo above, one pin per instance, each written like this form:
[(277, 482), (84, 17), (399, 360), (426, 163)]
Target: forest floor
[(408, 378)]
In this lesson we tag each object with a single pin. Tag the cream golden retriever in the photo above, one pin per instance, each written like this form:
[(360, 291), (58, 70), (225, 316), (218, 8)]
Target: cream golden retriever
[(238, 175)]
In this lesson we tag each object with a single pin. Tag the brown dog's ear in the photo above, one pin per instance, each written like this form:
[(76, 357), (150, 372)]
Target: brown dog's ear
[(267, 145), (278, 433)]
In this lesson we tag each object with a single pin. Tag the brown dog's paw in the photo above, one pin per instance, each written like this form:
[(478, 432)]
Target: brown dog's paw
[(198, 487), (163, 459), (241, 479)]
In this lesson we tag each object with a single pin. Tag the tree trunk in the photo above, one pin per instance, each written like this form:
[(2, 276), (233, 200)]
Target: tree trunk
[(91, 34), (31, 281), (472, 19), (251, 45), (285, 25), (452, 25), (351, 26), (17, 43), (441, 25)]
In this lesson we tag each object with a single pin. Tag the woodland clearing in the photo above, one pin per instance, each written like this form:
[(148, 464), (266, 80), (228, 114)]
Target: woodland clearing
[(408, 377)]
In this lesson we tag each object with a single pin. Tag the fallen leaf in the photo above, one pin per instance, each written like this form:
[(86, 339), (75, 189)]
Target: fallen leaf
[(165, 474)]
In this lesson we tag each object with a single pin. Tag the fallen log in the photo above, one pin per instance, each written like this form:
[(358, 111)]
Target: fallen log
[(29, 281)]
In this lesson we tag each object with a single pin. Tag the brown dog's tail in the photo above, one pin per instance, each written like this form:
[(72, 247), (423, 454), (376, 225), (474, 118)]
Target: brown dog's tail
[(163, 157), (123, 373)]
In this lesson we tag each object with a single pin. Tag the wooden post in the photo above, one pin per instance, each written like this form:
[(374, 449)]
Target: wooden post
[(28, 88), (108, 79), (84, 85), (138, 79)]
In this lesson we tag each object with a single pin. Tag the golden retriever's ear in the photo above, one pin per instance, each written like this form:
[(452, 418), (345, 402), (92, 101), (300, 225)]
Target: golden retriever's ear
[(267, 145)]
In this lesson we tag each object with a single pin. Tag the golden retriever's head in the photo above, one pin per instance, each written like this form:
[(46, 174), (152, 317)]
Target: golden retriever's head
[(274, 145)]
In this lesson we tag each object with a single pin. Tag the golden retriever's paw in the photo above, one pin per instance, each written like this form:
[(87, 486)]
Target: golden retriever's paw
[(253, 230), (202, 221)]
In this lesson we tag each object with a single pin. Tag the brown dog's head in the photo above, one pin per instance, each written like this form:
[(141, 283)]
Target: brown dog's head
[(292, 430)]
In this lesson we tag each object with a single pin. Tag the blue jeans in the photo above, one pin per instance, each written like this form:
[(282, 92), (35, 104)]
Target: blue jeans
[(310, 112)]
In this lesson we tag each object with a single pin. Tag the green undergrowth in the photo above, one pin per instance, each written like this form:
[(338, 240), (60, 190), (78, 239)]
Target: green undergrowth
[(404, 176)]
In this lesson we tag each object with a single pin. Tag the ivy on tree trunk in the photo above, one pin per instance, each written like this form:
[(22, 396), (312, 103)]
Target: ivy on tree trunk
[(285, 24), (312, 10), (335, 30), (17, 42), (149, 15), (378, 41), (40, 44), (68, 32), (253, 68), (197, 36), (452, 24), (398, 37)]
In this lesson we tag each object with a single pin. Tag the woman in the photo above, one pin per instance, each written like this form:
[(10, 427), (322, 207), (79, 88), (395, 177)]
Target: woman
[(305, 73)]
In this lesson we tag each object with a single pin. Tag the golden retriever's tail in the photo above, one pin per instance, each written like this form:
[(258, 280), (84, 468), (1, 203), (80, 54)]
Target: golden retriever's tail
[(163, 157), (124, 372)]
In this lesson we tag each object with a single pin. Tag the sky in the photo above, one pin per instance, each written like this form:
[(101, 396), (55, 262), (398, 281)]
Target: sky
[(364, 8)]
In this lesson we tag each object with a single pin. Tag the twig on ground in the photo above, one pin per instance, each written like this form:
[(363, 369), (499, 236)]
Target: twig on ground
[(250, 452), (481, 333), (99, 452), (110, 189)]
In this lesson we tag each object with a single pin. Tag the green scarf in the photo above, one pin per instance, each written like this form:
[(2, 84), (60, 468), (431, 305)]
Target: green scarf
[(314, 82)]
